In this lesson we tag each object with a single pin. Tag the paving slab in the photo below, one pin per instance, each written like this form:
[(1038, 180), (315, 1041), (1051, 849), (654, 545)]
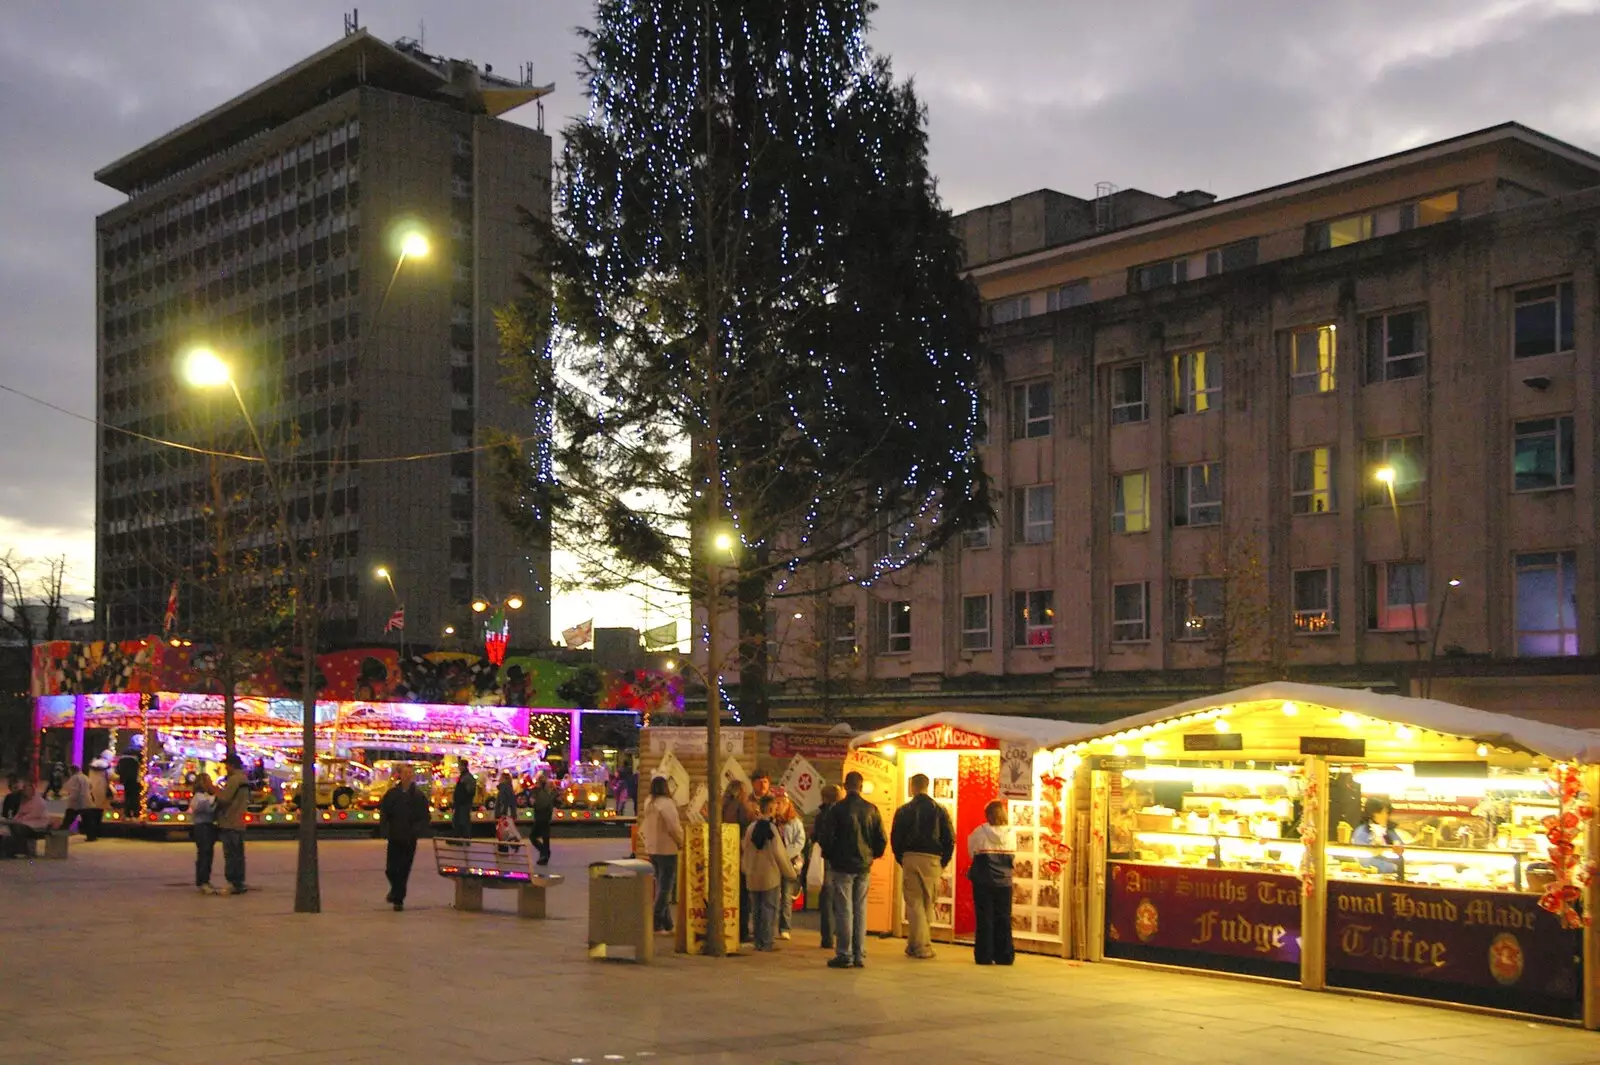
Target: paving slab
[(138, 966)]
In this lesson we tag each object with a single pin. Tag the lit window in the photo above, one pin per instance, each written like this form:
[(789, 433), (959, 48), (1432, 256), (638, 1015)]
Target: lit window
[(1130, 612), (1196, 382), (1542, 320), (1312, 355), (1196, 607), (1544, 455), (1031, 413), (1033, 514), (1547, 604), (1311, 486), (1197, 494), (842, 630), (1130, 502), (1033, 619), (1397, 346), (1352, 229), (975, 623), (1409, 461), (1397, 596), (894, 626), (1127, 395), (1316, 600)]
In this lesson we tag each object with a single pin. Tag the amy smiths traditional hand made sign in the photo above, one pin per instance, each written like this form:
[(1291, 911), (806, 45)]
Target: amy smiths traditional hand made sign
[(1204, 911)]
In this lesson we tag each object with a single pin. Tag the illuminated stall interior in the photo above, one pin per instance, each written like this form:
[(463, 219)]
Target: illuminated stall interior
[(1375, 843)]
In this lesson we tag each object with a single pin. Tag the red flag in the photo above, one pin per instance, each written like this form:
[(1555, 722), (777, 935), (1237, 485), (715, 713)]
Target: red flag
[(171, 617), (397, 620)]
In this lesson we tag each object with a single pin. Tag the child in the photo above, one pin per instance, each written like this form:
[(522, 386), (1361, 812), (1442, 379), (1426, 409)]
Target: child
[(202, 819), (764, 862), (992, 848)]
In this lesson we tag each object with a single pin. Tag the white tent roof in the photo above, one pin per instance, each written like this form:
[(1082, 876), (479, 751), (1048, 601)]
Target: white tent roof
[(1040, 733), (1496, 730)]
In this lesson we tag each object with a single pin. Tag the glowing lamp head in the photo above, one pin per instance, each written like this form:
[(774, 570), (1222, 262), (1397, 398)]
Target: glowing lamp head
[(1221, 725), (382, 573), (1290, 710), (414, 245), (1454, 583), (449, 630), (723, 541), (1384, 474), (480, 605), (514, 603), (670, 664), (888, 750), (204, 368)]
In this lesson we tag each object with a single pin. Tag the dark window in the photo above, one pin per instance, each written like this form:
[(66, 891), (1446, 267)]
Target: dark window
[(1397, 346), (1543, 320)]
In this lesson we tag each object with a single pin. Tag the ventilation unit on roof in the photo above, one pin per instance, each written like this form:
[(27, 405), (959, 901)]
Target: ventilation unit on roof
[(1105, 212)]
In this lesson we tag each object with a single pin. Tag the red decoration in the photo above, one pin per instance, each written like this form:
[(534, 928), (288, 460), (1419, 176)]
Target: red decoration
[(1572, 874), (1052, 834), (494, 646)]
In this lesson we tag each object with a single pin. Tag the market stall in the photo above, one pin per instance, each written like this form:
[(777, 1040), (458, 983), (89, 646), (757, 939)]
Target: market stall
[(1348, 840), (971, 760)]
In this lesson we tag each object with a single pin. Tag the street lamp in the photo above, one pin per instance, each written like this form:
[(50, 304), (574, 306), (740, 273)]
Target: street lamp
[(1386, 476), (1438, 626), (496, 627), (397, 620)]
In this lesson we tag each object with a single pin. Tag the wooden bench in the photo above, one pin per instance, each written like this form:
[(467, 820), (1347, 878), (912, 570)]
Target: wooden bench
[(55, 844), (475, 864)]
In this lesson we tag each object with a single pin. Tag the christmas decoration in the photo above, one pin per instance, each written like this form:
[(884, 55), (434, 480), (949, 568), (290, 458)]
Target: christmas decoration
[(1562, 831)]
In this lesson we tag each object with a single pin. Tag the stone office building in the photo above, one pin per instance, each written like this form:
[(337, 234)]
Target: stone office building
[(1343, 430)]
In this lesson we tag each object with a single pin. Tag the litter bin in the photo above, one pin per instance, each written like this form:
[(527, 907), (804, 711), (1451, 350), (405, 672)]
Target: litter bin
[(621, 897)]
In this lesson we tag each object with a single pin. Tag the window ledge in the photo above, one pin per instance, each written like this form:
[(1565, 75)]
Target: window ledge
[(1543, 491), (1316, 514), (1322, 634), (892, 654), (1132, 643)]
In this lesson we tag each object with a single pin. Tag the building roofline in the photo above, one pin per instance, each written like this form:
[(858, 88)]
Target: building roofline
[(359, 57), (1504, 132)]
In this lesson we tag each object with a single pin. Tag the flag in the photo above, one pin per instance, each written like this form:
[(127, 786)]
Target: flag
[(397, 620), (170, 618), (579, 634), (661, 636)]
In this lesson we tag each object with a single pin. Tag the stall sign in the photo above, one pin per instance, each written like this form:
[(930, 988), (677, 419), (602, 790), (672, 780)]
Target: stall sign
[(692, 902), (1016, 771), (1333, 746), (945, 738), (731, 771), (803, 784), (1214, 741), (1111, 763), (1205, 911), (813, 745), (1493, 940), (692, 740), (878, 787), (676, 775)]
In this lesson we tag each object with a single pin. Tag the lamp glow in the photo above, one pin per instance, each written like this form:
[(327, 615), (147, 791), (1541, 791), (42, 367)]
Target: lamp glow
[(1384, 474), (204, 368), (888, 750), (514, 603), (723, 541), (382, 573), (449, 630), (480, 605), (414, 245)]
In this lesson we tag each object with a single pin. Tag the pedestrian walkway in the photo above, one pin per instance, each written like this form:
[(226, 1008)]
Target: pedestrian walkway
[(128, 963)]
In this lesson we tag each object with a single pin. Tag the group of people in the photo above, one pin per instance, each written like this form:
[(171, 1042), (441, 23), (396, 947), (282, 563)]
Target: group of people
[(542, 801), (23, 819), (217, 814), (775, 854)]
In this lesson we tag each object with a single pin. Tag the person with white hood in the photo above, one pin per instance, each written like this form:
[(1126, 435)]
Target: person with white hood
[(993, 848)]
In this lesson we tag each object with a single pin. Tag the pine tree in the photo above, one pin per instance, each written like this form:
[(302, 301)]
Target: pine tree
[(761, 324)]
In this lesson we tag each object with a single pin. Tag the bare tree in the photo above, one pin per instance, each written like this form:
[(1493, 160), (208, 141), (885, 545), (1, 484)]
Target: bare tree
[(1243, 634), (32, 611)]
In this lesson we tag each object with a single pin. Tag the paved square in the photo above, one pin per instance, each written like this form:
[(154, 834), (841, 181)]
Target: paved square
[(112, 956)]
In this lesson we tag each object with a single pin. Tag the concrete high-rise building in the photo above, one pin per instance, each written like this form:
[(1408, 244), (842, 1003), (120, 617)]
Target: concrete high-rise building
[(1346, 429), (268, 229)]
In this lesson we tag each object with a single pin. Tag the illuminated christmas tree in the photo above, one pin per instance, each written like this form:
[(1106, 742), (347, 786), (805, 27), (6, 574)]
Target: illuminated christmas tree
[(761, 325)]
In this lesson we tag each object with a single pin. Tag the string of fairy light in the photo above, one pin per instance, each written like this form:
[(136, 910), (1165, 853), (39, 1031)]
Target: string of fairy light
[(649, 78)]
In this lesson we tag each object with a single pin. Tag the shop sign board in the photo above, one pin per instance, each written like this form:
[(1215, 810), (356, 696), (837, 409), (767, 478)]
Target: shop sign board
[(810, 745), (945, 738), (1111, 763), (879, 777), (803, 784), (1204, 911), (1333, 746), (677, 777), (693, 740), (1214, 741), (1497, 941), (1016, 771)]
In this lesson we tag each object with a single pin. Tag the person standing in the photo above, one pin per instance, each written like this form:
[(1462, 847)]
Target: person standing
[(58, 777), (992, 848), (825, 905), (79, 805), (99, 799), (855, 839), (764, 861), (661, 836), (403, 816), (924, 842), (544, 810), (461, 802), (233, 803), (129, 771), (793, 832), (203, 830), (737, 809)]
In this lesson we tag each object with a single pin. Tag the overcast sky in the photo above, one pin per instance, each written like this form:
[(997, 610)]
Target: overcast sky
[(1224, 95)]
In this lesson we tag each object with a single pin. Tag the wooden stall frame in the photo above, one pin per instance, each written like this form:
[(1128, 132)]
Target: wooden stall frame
[(1591, 901), (1099, 820), (1314, 904)]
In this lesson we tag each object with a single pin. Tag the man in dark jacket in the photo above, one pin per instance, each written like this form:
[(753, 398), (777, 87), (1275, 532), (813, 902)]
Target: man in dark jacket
[(825, 903), (462, 801), (544, 809), (854, 839), (924, 842), (404, 816)]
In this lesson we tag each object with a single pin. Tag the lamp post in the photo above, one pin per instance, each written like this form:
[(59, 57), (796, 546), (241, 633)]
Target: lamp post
[(716, 943), (1438, 626), (383, 574), (496, 625), (1386, 475)]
